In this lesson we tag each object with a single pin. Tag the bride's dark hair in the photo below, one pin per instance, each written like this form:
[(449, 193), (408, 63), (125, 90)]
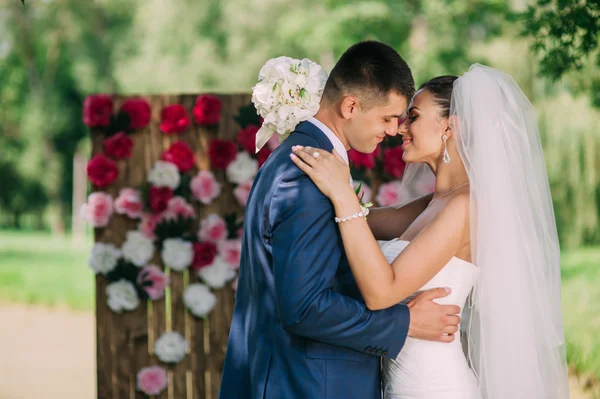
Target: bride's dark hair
[(441, 90)]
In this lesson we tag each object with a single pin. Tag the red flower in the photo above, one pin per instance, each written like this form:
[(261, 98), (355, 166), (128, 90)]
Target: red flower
[(204, 254), (360, 160), (181, 155), (221, 153), (118, 146), (97, 109), (138, 110), (158, 198), (174, 119), (262, 155), (207, 110), (101, 170), (247, 138), (393, 163)]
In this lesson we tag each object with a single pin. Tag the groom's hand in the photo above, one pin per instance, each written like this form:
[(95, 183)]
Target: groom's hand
[(431, 321)]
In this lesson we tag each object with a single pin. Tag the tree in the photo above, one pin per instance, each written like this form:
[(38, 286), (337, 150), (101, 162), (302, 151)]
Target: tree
[(565, 34)]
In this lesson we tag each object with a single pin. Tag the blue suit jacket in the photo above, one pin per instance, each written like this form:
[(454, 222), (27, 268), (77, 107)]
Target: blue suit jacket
[(300, 328)]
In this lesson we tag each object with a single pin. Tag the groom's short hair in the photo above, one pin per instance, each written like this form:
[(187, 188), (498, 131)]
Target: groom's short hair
[(369, 70)]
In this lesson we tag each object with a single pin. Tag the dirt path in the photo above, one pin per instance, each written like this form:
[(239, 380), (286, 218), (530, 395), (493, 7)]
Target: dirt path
[(49, 353), (46, 353)]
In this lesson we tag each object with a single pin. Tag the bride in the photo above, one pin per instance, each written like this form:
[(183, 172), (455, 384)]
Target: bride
[(488, 233)]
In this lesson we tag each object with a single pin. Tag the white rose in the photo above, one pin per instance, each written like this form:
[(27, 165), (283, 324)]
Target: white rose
[(217, 274), (104, 257), (242, 169), (177, 253), (122, 296), (199, 300), (171, 347), (137, 249), (164, 174)]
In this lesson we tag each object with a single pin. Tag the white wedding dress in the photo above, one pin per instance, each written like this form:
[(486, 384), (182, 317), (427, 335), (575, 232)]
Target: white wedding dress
[(431, 370)]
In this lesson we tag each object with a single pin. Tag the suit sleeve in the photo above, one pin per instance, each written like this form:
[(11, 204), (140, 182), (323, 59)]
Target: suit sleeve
[(307, 249)]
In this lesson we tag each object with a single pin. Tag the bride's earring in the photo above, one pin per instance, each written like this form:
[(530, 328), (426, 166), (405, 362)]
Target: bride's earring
[(446, 157)]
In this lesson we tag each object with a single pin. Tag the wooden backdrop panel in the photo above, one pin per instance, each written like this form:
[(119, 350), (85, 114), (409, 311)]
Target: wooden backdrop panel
[(125, 342)]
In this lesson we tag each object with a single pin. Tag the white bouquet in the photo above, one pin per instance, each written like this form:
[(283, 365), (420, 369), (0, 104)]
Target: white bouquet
[(288, 92)]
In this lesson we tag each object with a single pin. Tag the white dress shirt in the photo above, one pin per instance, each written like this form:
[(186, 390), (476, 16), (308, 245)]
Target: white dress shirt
[(335, 140)]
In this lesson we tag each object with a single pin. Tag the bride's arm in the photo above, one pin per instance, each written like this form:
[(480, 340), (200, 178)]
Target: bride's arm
[(383, 286), (380, 284), (390, 222)]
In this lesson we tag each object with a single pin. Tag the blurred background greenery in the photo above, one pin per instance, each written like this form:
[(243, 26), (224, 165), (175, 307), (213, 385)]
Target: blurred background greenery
[(55, 52)]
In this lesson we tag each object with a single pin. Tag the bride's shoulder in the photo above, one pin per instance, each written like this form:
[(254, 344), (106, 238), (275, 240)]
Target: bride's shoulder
[(457, 208)]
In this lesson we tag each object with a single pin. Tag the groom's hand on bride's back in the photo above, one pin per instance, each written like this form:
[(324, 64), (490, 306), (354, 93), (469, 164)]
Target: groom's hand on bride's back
[(431, 321)]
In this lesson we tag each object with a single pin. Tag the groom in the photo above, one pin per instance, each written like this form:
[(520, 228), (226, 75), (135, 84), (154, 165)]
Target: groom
[(300, 328)]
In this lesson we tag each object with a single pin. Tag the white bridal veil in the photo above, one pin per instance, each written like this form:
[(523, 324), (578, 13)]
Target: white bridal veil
[(515, 336)]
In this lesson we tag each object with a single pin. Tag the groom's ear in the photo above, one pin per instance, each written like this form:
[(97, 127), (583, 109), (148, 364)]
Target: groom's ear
[(349, 107)]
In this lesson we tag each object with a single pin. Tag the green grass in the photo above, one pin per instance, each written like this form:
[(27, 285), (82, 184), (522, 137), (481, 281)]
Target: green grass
[(36, 268), (581, 309)]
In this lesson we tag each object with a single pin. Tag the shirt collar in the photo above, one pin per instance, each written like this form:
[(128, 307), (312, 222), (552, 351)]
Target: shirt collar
[(335, 140)]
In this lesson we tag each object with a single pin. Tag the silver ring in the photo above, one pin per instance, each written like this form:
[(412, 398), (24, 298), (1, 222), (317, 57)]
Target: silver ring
[(316, 154)]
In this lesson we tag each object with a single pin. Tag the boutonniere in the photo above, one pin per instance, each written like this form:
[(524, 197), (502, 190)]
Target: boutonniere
[(364, 207)]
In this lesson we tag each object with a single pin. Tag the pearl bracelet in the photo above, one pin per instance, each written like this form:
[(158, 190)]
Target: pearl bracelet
[(361, 214)]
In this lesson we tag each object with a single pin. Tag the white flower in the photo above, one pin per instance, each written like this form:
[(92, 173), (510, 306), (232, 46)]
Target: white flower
[(104, 257), (288, 92), (171, 347), (164, 174), (242, 169), (177, 253), (199, 300), (217, 274), (122, 296), (137, 249)]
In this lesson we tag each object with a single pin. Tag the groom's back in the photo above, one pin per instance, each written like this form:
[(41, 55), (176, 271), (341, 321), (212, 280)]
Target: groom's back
[(263, 359)]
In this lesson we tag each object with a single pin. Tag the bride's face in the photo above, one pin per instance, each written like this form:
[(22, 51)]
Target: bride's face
[(423, 130)]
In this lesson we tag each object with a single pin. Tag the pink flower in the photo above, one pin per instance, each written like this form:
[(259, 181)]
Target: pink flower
[(273, 142), (366, 190), (242, 192), (153, 281), (98, 209), (361, 160), (230, 251), (129, 203), (247, 138), (390, 194), (176, 207), (205, 187), (101, 170), (179, 154), (152, 380), (148, 224), (212, 229)]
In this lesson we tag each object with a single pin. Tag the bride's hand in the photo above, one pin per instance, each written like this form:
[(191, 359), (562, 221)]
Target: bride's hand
[(327, 170)]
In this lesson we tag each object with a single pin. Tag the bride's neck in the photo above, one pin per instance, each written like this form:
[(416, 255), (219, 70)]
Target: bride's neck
[(449, 176)]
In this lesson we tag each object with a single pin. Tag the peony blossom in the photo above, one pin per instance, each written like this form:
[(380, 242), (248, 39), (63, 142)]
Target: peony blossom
[(177, 254), (242, 192), (122, 296), (152, 280), (221, 153), (148, 224), (207, 110), (178, 207), (129, 202), (217, 274), (204, 254), (212, 229), (98, 209), (199, 300), (138, 111), (205, 187), (174, 119), (242, 169), (391, 194), (137, 249), (164, 174), (152, 380), (171, 347), (104, 257), (230, 251), (181, 155), (101, 170), (97, 109)]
